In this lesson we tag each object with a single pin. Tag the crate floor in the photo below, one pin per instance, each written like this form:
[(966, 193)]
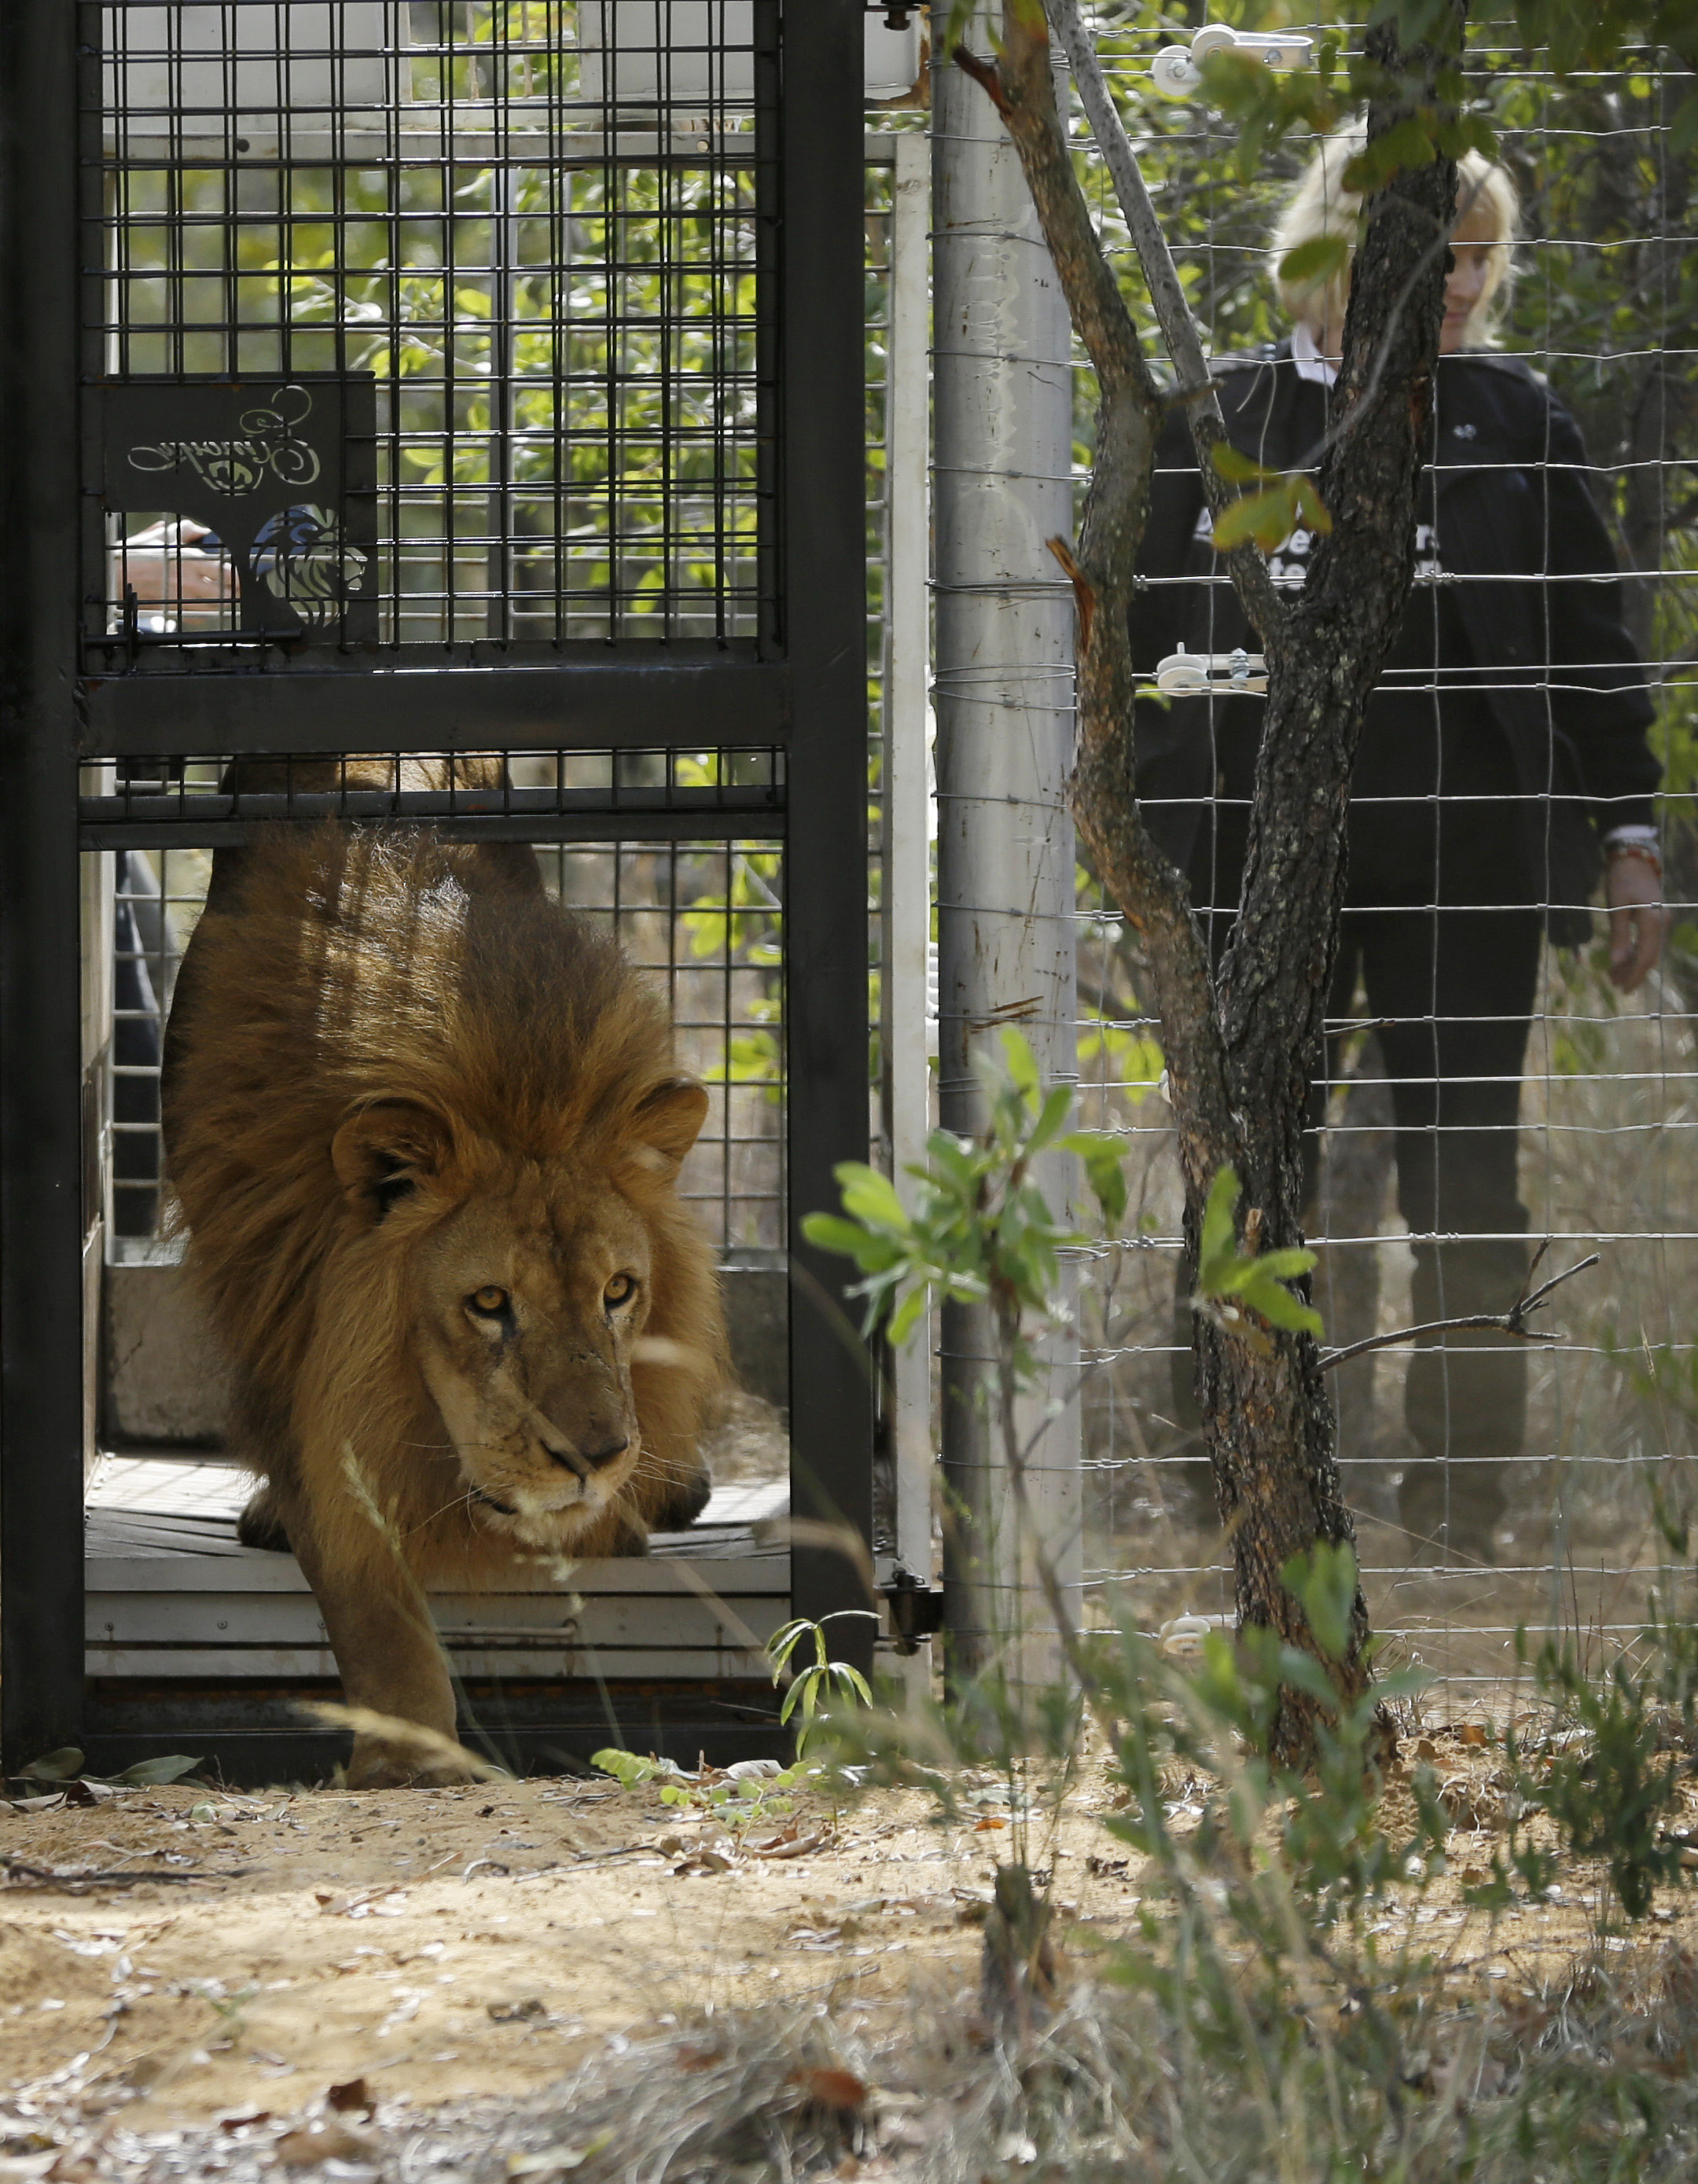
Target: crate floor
[(171, 1593)]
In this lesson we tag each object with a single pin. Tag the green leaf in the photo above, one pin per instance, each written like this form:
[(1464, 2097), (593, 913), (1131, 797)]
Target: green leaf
[(170, 1767), (1323, 1583), (1103, 1161), (1314, 262), (1280, 1308), (907, 1314), (1224, 1193), (1238, 468), (1264, 519), (869, 1196), (1057, 1105), (63, 1765), (1022, 1063), (625, 1767), (832, 1233)]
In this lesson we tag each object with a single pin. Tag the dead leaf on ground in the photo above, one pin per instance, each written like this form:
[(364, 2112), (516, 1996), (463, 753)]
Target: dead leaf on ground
[(355, 2093), (704, 1861), (840, 2090), (333, 2142), (798, 1849)]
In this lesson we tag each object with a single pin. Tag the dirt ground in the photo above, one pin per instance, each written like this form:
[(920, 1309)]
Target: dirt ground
[(177, 1958)]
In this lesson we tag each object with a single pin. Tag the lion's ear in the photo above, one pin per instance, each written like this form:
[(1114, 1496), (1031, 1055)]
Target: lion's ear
[(668, 1123), (384, 1151)]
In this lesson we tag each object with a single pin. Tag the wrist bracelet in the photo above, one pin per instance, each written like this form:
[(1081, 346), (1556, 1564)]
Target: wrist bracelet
[(1647, 852)]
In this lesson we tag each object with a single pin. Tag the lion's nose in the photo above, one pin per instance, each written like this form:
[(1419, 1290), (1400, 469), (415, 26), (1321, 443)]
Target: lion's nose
[(605, 1453)]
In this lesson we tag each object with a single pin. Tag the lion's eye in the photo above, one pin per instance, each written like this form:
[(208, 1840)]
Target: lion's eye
[(619, 1290), (489, 1302)]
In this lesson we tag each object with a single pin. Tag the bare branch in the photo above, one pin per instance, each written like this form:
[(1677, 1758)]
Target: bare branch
[(1149, 893), (1173, 313), (1512, 1322)]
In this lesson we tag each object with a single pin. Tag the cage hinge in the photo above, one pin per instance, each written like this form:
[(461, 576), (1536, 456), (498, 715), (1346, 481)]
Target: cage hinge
[(916, 1608)]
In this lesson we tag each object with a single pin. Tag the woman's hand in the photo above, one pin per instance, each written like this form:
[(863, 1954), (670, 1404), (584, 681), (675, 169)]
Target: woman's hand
[(1632, 889)]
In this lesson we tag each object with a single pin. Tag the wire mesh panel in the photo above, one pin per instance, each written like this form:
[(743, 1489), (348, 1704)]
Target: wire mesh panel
[(423, 324), (704, 917), (1495, 1099)]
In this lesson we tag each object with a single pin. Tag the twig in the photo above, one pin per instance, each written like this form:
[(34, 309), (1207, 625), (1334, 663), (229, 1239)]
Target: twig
[(44, 1876), (1512, 1322), (1179, 329)]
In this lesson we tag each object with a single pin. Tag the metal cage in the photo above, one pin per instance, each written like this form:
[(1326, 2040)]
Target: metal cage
[(396, 376)]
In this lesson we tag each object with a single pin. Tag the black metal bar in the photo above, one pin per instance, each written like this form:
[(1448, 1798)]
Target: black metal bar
[(822, 486), (177, 817), (745, 820), (252, 1737), (613, 703), (42, 1220)]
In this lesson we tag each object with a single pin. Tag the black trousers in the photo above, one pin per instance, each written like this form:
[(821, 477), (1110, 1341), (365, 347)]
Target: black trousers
[(1441, 931)]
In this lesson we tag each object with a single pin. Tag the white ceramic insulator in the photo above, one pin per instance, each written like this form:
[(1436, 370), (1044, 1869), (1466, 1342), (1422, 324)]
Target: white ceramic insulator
[(1183, 675), (1190, 674), (1214, 38), (1173, 72), (1177, 72)]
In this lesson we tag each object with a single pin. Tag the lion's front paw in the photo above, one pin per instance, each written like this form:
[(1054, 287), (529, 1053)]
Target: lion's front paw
[(683, 1502), (378, 1763)]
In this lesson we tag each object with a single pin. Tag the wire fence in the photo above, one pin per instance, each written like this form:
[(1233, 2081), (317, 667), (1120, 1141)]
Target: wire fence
[(489, 276), (1494, 1485), (702, 916)]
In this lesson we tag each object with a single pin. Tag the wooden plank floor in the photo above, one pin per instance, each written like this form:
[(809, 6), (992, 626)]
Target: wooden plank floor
[(171, 1592)]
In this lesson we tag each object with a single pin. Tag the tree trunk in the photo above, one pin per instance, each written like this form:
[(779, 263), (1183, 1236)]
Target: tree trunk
[(1239, 1060)]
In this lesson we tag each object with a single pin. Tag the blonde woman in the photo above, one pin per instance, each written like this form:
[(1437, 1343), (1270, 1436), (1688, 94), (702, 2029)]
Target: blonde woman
[(1504, 764)]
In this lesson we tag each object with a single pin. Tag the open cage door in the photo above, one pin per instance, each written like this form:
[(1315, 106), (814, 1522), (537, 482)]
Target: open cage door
[(426, 398)]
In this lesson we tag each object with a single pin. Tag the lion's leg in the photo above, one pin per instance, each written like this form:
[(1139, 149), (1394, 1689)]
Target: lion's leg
[(390, 1660), (261, 1523)]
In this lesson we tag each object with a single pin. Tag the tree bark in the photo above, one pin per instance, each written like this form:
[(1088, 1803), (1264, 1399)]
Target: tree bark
[(1240, 1059)]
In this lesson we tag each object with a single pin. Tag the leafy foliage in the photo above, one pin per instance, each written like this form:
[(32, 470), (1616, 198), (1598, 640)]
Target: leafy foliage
[(814, 1687), (1232, 1284), (979, 1228)]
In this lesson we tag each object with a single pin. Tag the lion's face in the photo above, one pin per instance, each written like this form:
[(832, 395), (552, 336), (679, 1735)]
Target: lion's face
[(527, 1288), (527, 1304)]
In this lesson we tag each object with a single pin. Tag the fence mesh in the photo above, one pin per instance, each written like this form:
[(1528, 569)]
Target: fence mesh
[(490, 277), (1475, 1528), (702, 914)]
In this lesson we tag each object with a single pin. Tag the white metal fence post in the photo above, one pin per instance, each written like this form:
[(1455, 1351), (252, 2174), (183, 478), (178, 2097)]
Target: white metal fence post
[(907, 873), (1002, 410)]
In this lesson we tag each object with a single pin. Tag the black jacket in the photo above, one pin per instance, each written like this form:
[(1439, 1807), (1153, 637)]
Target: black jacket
[(1555, 666)]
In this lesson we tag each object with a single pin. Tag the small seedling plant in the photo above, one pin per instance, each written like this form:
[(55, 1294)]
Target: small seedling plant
[(739, 1801), (813, 1687)]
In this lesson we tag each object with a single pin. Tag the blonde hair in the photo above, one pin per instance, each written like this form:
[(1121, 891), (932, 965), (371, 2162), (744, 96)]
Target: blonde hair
[(1321, 205)]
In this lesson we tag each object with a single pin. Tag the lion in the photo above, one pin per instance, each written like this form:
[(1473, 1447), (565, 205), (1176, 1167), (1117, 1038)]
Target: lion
[(423, 1126)]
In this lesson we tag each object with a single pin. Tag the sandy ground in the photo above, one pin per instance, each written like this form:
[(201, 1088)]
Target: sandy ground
[(173, 1957), (452, 1942)]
